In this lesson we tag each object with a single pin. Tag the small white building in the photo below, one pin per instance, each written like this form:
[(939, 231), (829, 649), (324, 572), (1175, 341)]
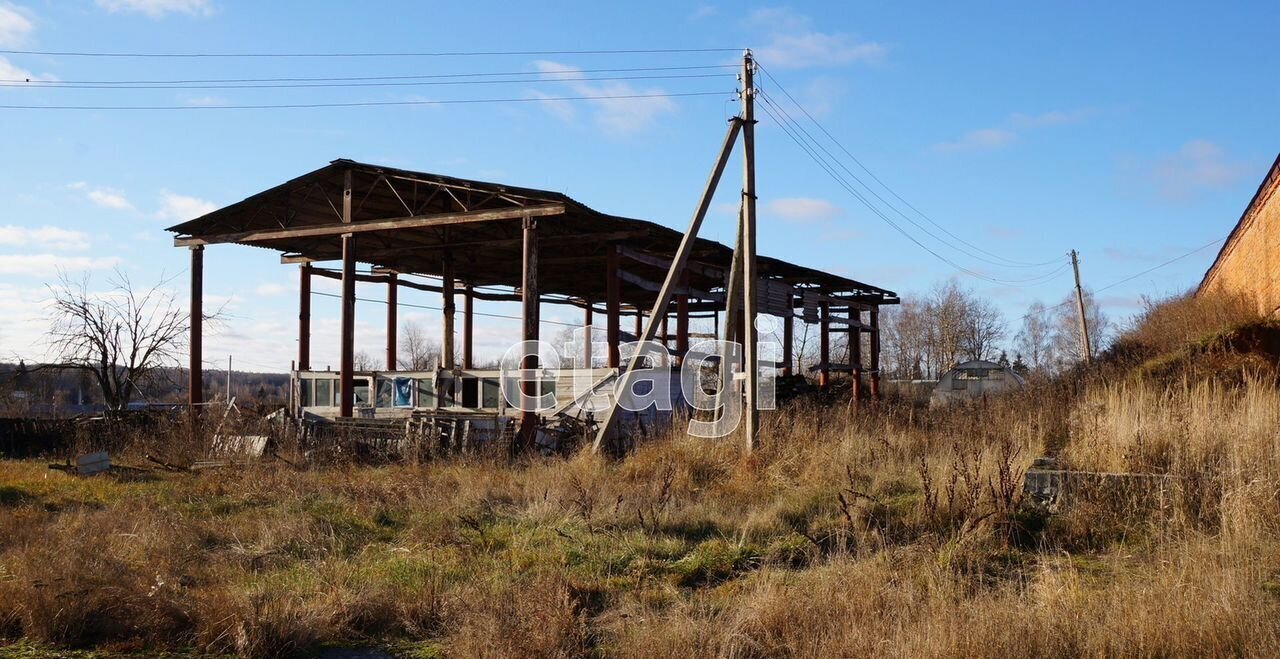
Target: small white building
[(974, 379)]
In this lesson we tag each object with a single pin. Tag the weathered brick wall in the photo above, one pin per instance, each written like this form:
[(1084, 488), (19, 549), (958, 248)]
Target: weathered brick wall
[(1250, 262)]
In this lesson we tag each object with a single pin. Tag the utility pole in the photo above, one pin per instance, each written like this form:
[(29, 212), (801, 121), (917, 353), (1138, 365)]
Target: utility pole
[(750, 358), (1084, 324)]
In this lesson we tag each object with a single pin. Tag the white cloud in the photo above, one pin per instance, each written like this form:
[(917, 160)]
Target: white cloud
[(1051, 118), (1196, 166), (104, 197), (793, 43), (206, 101), (15, 25), (995, 137), (615, 116), (978, 140), (271, 290), (46, 236), (803, 210), (46, 265), (158, 8), (180, 208), (702, 11)]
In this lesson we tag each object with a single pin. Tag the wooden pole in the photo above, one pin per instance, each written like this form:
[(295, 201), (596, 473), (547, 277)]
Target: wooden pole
[(875, 353), (304, 317), (824, 344), (346, 401), (468, 326), (586, 335), (1084, 324), (682, 323), (393, 285), (788, 338), (347, 358), (195, 365), (613, 307), (750, 357), (670, 282), (446, 291), (855, 358), (529, 302)]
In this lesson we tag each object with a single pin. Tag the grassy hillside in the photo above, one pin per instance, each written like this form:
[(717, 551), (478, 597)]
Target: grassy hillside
[(901, 532)]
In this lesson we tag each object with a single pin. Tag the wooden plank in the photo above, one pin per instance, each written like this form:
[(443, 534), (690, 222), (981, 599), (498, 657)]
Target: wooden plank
[(664, 263), (409, 222), (649, 285), (687, 243)]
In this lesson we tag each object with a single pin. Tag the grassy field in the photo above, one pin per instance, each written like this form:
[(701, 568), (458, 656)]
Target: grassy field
[(899, 532)]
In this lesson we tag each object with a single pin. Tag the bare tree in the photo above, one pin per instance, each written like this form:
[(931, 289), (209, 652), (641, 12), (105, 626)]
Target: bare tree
[(121, 337), (417, 351), (981, 327), (1067, 344), (363, 361), (1034, 340)]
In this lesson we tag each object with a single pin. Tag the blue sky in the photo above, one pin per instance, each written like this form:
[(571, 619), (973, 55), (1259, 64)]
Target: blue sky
[(1133, 132)]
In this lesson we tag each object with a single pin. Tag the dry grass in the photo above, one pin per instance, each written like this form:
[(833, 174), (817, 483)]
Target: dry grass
[(900, 532)]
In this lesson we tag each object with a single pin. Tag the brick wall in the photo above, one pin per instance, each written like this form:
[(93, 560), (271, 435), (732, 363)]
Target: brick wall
[(1249, 262)]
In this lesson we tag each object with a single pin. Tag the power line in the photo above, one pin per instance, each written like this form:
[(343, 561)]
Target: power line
[(494, 53), (1010, 262), (360, 78), (1132, 277), (36, 84), (290, 106), (878, 212), (833, 159)]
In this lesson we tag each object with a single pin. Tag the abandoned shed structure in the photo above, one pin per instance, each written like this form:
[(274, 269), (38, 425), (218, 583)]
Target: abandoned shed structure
[(485, 241), (974, 379)]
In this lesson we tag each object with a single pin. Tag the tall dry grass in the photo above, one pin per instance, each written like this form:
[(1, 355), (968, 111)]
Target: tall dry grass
[(895, 531)]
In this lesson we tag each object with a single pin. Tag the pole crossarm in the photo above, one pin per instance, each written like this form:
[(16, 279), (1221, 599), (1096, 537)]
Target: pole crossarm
[(669, 285), (409, 222)]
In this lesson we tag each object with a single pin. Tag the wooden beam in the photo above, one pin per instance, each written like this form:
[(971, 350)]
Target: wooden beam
[(468, 327), (529, 289), (664, 263), (682, 325), (195, 364), (304, 317), (347, 361), (824, 344), (649, 285), (392, 303), (687, 242), (855, 359), (409, 222), (875, 353), (613, 309), (788, 341), (446, 292), (586, 335)]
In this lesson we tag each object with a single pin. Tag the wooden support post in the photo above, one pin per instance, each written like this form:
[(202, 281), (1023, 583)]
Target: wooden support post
[(749, 273), (824, 344), (855, 357), (639, 323), (682, 323), (669, 283), (529, 301), (613, 308), (347, 357), (468, 327), (195, 366), (788, 338), (347, 361), (393, 285), (586, 335), (304, 317), (662, 330), (875, 352), (446, 291)]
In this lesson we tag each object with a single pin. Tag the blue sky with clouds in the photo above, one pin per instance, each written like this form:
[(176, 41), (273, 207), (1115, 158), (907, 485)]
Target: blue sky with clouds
[(1132, 132)]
